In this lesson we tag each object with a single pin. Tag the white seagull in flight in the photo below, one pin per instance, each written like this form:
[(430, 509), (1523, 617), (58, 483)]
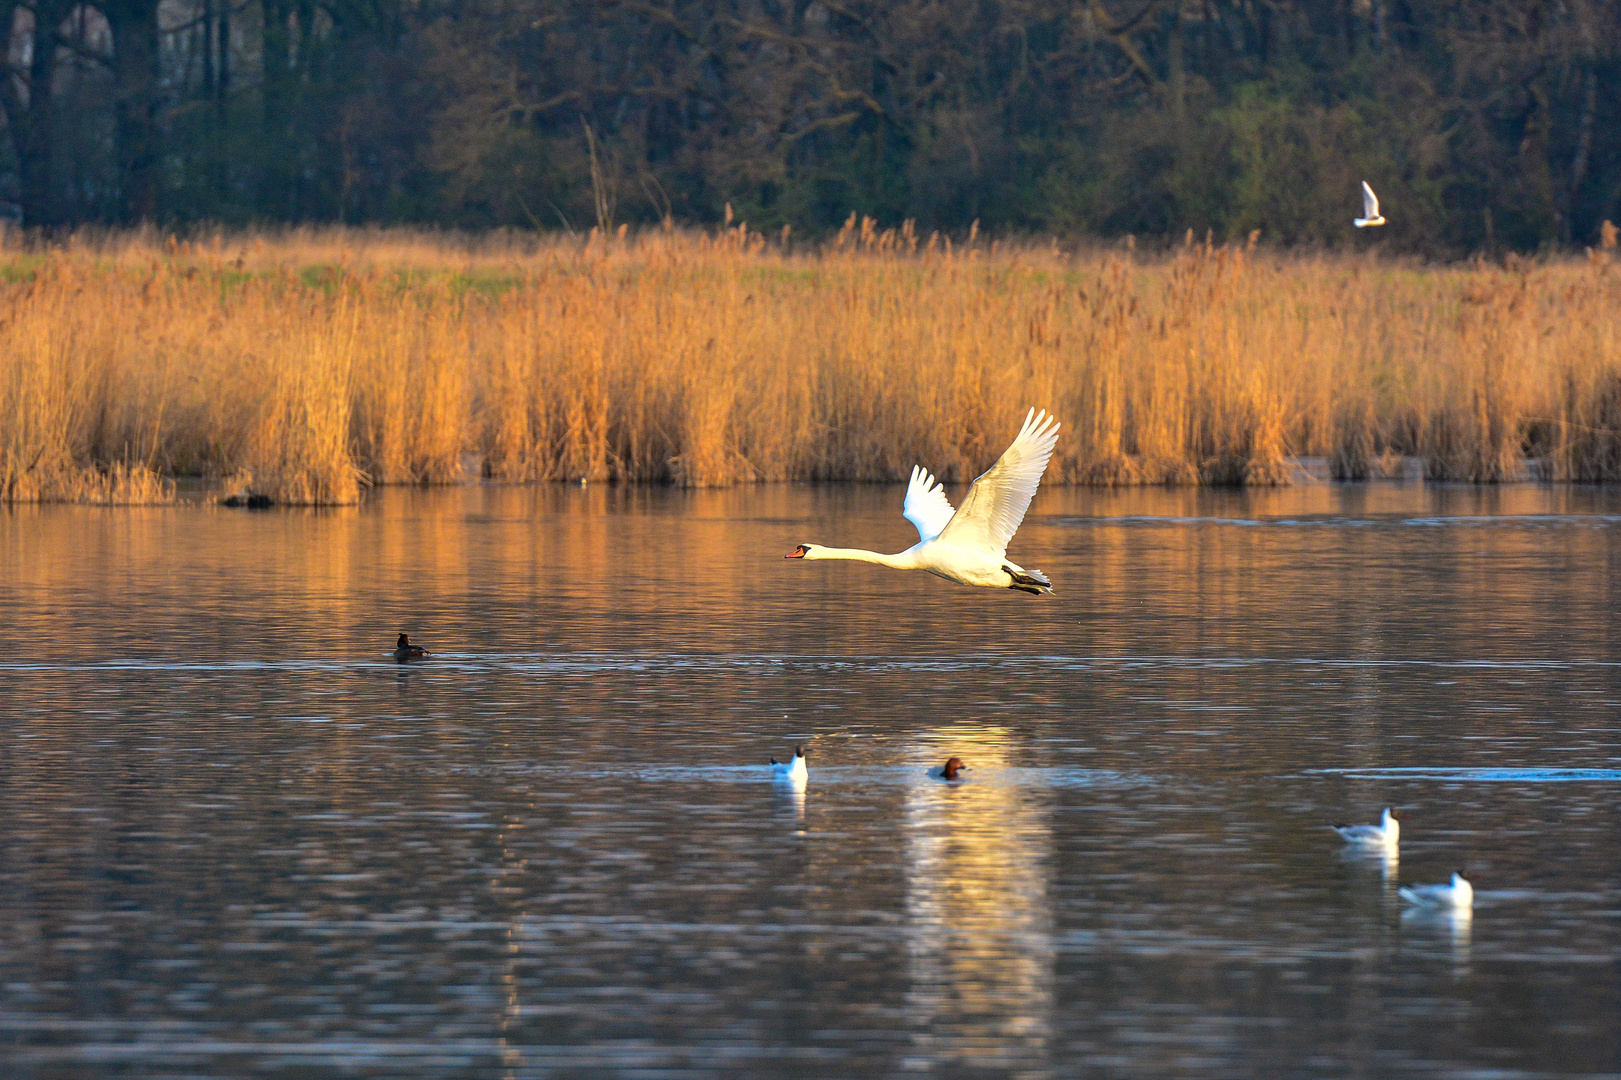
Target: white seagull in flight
[(1370, 209)]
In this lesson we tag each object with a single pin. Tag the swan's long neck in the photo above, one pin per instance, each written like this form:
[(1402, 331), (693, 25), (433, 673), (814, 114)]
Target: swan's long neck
[(900, 561)]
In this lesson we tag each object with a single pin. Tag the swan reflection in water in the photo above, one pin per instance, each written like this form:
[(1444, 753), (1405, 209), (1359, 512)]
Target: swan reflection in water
[(979, 918)]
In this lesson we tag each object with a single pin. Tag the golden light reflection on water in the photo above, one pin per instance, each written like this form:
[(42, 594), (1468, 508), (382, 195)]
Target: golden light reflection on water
[(980, 947), (513, 570)]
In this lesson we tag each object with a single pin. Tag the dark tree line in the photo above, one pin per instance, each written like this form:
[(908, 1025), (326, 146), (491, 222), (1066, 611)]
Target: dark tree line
[(1483, 123)]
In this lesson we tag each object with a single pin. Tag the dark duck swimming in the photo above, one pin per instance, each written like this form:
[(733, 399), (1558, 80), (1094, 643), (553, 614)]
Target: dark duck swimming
[(404, 650)]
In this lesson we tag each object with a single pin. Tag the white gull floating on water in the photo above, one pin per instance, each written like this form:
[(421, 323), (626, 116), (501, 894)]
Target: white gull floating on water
[(1386, 834), (1459, 894), (792, 773)]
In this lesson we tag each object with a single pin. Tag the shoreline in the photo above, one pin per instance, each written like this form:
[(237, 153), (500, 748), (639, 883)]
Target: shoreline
[(196, 492)]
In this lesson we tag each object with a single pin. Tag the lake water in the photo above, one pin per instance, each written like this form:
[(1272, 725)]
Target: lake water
[(237, 839)]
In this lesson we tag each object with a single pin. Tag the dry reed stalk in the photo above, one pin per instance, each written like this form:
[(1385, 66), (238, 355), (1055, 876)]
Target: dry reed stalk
[(121, 485), (1589, 431), (298, 451), (315, 361), (1354, 454), (1582, 442), (411, 415), (56, 403)]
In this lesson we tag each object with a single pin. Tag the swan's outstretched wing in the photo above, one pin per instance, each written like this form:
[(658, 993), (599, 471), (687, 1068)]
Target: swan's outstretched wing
[(1370, 202), (994, 506), (926, 504)]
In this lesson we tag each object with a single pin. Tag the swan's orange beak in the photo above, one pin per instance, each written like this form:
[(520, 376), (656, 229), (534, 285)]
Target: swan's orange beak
[(797, 553)]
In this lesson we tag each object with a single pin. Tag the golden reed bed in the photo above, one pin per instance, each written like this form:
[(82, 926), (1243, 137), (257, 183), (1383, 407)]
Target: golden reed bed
[(305, 366)]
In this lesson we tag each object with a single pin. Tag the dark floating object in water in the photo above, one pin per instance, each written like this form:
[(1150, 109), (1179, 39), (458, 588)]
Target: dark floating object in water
[(951, 768), (249, 499), (404, 650)]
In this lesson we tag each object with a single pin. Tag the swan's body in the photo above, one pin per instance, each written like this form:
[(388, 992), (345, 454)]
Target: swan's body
[(969, 544), (1386, 834), (405, 651), (1458, 894), (794, 773), (1370, 209)]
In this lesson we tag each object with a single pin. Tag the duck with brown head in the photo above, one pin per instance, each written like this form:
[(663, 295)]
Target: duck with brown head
[(950, 770), (404, 651)]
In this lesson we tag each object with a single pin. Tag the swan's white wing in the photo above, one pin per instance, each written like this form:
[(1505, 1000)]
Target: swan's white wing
[(1370, 202), (994, 506), (926, 504)]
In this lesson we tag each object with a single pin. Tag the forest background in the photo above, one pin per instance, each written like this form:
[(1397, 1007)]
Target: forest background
[(1485, 125)]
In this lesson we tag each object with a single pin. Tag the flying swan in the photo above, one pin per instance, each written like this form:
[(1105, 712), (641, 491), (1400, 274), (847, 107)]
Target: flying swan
[(970, 544), (1370, 209)]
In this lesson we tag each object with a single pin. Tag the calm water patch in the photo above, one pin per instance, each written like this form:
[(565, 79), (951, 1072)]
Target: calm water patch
[(1519, 776)]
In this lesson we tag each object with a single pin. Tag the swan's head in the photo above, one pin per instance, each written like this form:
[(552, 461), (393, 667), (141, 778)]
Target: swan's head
[(804, 551), (951, 768)]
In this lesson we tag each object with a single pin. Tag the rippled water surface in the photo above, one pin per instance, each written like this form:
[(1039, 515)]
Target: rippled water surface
[(237, 839)]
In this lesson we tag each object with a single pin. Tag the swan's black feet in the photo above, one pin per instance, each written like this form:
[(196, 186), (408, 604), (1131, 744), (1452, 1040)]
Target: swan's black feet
[(1033, 582)]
